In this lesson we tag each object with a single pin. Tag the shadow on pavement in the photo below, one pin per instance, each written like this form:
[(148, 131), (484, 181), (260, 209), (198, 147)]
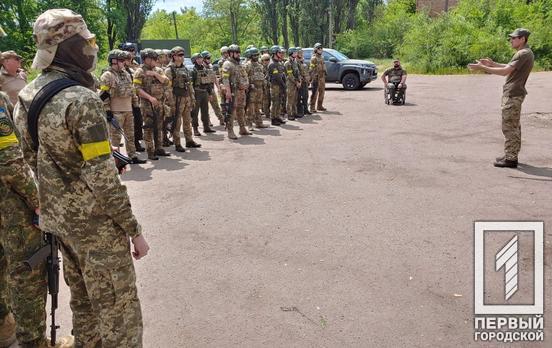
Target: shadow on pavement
[(212, 137), (275, 132), (331, 113), (139, 173), (250, 140), (290, 127), (536, 171), (194, 155)]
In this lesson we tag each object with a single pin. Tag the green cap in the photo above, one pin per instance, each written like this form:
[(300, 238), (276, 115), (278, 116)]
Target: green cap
[(519, 32)]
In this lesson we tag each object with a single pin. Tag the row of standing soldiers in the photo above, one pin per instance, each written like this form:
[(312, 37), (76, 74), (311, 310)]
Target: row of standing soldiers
[(155, 100)]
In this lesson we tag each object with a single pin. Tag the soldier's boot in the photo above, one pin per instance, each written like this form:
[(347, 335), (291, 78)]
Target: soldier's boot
[(7, 331), (231, 134), (192, 144), (162, 152), (179, 148), (506, 163), (138, 146), (321, 108), (209, 129), (221, 122), (152, 157), (260, 124), (312, 109), (136, 160), (244, 131), (196, 132), (291, 117)]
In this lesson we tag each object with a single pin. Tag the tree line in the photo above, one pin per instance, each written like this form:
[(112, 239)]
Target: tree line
[(359, 28)]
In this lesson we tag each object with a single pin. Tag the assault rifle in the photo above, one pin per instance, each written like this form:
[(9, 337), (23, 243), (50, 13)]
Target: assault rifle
[(50, 254)]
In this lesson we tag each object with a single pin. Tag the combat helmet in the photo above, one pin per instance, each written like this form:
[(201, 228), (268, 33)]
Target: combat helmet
[(247, 53), (223, 49), (206, 55), (250, 46), (253, 51), (264, 49), (317, 45), (127, 46), (113, 54), (195, 56), (292, 50), (274, 49), (176, 50), (234, 48), (148, 53)]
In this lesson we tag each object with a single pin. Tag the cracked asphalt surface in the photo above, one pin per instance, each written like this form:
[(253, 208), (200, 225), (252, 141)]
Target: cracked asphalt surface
[(350, 228)]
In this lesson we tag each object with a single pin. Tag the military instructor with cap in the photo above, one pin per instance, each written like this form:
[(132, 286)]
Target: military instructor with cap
[(81, 198), (514, 92)]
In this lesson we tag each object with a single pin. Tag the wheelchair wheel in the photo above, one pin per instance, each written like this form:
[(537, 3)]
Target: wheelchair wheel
[(404, 98)]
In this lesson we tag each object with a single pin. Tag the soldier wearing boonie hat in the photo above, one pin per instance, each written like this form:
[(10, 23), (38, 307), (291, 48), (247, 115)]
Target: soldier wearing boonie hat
[(82, 200), (12, 77)]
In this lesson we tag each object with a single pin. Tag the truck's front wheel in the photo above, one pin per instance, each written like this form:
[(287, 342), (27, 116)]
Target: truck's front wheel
[(350, 81)]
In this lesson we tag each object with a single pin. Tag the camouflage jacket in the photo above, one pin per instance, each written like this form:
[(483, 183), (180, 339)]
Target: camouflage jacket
[(15, 174), (276, 73), (317, 67), (180, 81), (150, 84), (255, 73), (80, 192), (303, 71), (292, 72), (234, 75)]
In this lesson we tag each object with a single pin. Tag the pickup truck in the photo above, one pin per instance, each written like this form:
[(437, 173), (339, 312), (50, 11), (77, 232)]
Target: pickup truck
[(351, 73)]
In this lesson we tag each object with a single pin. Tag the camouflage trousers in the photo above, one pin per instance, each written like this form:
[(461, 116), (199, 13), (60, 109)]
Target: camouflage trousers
[(511, 126), (153, 120), (22, 291), (126, 122), (202, 103), (98, 268), (317, 96), (291, 107), (183, 120), (238, 112), (213, 100), (276, 101), (254, 105), (266, 100)]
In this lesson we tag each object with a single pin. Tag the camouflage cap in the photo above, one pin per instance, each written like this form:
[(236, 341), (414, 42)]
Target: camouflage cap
[(519, 32), (53, 27), (166, 51), (9, 54)]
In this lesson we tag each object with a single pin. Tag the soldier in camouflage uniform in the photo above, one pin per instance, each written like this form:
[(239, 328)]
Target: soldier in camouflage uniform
[(236, 83), (318, 78), (150, 82), (131, 67), (118, 95), (19, 239), (293, 82), (81, 198), (276, 77), (183, 99), (202, 87), (255, 73), (213, 100), (223, 58), (303, 94), (265, 61)]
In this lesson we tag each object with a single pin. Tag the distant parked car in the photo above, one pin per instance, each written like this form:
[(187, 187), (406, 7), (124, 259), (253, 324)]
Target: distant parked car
[(351, 73)]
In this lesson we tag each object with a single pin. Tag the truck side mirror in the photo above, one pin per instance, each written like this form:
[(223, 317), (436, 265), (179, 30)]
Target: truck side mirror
[(333, 59)]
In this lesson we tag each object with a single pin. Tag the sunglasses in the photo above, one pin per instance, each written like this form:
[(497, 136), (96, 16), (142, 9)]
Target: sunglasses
[(92, 42), (180, 55)]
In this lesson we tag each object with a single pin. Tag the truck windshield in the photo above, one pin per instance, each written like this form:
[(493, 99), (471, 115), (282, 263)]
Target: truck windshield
[(340, 56)]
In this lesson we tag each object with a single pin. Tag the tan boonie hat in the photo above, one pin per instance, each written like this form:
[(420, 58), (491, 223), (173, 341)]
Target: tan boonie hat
[(53, 27), (9, 54), (519, 32)]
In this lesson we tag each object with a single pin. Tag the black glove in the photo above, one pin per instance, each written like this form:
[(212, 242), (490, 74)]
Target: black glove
[(109, 116)]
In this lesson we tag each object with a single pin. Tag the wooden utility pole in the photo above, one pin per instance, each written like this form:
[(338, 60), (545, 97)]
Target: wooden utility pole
[(175, 27)]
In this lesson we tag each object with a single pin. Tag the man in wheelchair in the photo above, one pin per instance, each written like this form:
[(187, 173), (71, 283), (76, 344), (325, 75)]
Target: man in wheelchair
[(394, 81)]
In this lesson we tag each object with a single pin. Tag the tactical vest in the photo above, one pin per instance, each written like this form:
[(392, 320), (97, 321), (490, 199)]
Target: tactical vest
[(152, 85), (181, 79), (123, 85), (211, 75), (257, 72)]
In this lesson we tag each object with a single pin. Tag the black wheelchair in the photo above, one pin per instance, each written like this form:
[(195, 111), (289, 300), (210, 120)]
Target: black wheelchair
[(394, 94)]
